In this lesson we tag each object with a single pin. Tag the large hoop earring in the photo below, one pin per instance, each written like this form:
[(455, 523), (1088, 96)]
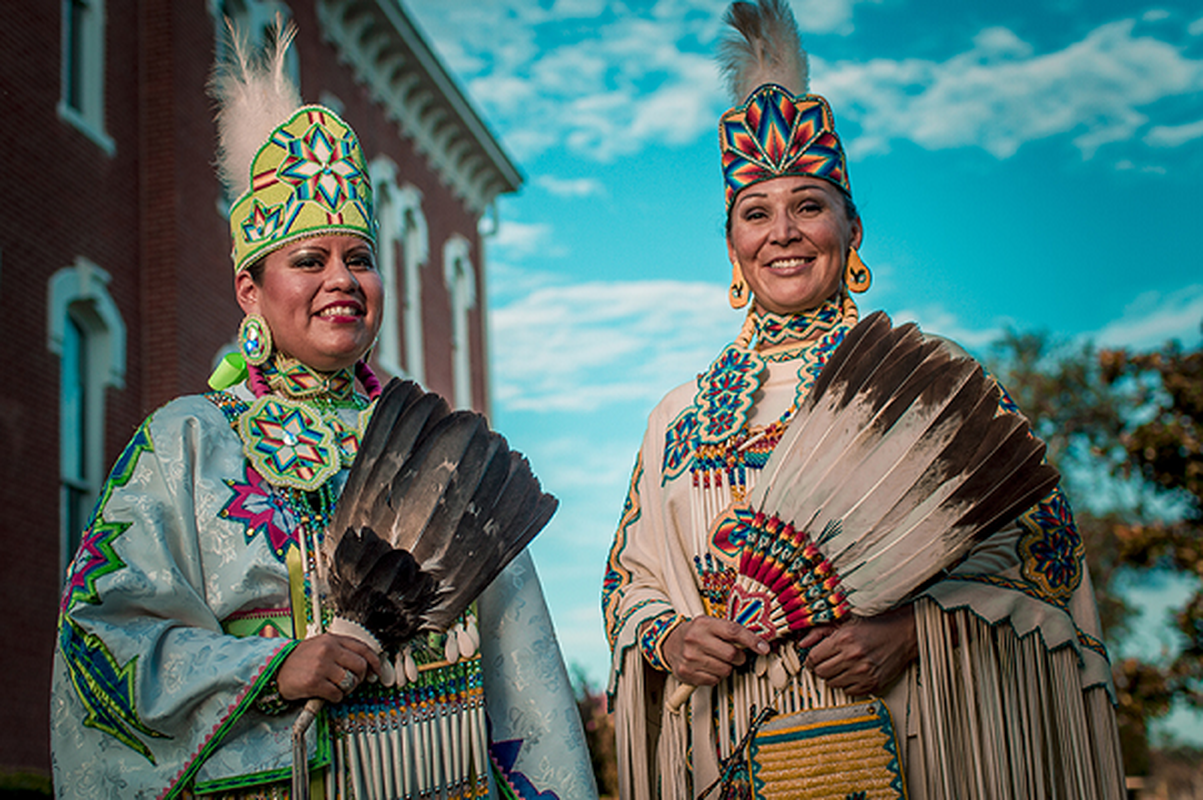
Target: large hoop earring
[(737, 294), (856, 275), (254, 339)]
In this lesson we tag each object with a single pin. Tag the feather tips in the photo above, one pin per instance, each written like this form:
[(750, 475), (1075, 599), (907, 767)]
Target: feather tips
[(254, 94), (900, 461), (764, 47), (442, 489), (381, 588)]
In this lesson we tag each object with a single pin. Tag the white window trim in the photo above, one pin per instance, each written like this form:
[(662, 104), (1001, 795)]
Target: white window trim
[(86, 282), (399, 212), (460, 276), (81, 292), (89, 118)]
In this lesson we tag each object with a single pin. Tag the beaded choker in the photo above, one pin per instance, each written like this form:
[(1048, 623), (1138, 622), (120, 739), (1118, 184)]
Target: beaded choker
[(290, 378), (776, 329)]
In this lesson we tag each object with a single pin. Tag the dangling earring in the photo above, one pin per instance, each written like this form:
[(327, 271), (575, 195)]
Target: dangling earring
[(856, 275), (254, 339), (737, 295)]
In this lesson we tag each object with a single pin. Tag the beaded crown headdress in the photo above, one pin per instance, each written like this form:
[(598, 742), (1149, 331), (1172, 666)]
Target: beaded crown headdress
[(297, 171), (775, 128)]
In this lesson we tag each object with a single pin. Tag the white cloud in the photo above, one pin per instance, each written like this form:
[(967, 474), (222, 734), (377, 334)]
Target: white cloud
[(1174, 135), (825, 16), (604, 90), (583, 346), (517, 240), (998, 95), (631, 78), (1149, 321), (571, 187), (1154, 318)]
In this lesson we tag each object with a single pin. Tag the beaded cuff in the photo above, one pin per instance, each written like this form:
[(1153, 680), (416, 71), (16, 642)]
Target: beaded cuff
[(271, 702), (654, 634)]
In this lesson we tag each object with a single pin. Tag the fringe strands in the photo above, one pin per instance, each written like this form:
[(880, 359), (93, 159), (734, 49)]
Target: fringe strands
[(1002, 717)]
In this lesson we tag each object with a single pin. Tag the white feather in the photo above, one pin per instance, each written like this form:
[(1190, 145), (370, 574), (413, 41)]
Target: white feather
[(899, 463), (764, 47), (254, 94)]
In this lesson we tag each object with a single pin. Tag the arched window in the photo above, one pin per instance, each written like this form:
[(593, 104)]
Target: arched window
[(461, 288), (88, 334), (82, 70), (402, 248)]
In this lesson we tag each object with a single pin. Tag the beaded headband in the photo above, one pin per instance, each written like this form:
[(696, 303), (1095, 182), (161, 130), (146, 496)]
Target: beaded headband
[(775, 133), (310, 178)]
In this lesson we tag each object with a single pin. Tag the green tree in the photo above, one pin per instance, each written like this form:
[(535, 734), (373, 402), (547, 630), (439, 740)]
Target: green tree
[(1130, 423)]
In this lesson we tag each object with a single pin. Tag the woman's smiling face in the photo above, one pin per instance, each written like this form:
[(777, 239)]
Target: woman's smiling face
[(321, 297), (791, 236)]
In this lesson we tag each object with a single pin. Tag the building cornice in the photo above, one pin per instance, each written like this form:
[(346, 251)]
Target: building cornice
[(389, 55)]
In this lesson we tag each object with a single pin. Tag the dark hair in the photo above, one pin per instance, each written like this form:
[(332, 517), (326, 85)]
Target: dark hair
[(255, 270)]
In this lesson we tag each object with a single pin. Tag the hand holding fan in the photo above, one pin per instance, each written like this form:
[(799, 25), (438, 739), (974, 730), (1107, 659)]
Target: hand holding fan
[(899, 462), (434, 507)]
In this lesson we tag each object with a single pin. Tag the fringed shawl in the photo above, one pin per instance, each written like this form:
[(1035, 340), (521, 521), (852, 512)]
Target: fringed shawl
[(1011, 695)]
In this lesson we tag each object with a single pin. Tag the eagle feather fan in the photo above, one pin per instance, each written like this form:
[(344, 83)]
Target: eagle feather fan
[(899, 461)]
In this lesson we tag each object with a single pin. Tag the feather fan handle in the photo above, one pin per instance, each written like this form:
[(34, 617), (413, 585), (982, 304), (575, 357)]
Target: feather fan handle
[(763, 47), (254, 94)]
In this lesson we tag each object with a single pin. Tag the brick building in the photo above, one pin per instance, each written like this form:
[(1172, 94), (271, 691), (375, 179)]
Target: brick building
[(115, 275)]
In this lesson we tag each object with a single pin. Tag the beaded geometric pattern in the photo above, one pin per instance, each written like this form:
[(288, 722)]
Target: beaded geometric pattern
[(1052, 550), (784, 582), (289, 443), (309, 178), (841, 753), (617, 575), (773, 329), (293, 379), (725, 393), (104, 686), (710, 434), (264, 510), (775, 134)]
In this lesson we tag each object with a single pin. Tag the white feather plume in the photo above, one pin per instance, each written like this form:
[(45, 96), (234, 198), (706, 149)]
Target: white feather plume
[(763, 47), (254, 94)]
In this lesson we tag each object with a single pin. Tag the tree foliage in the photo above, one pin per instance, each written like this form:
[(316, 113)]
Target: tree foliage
[(1131, 422)]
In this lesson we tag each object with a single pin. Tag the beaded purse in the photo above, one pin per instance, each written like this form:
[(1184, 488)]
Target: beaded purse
[(838, 753)]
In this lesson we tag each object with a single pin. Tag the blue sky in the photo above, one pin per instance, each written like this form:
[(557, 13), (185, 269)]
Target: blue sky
[(1037, 165)]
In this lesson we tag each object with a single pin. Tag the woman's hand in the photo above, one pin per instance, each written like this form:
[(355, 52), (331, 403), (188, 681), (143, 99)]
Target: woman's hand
[(702, 651), (317, 666), (863, 655)]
